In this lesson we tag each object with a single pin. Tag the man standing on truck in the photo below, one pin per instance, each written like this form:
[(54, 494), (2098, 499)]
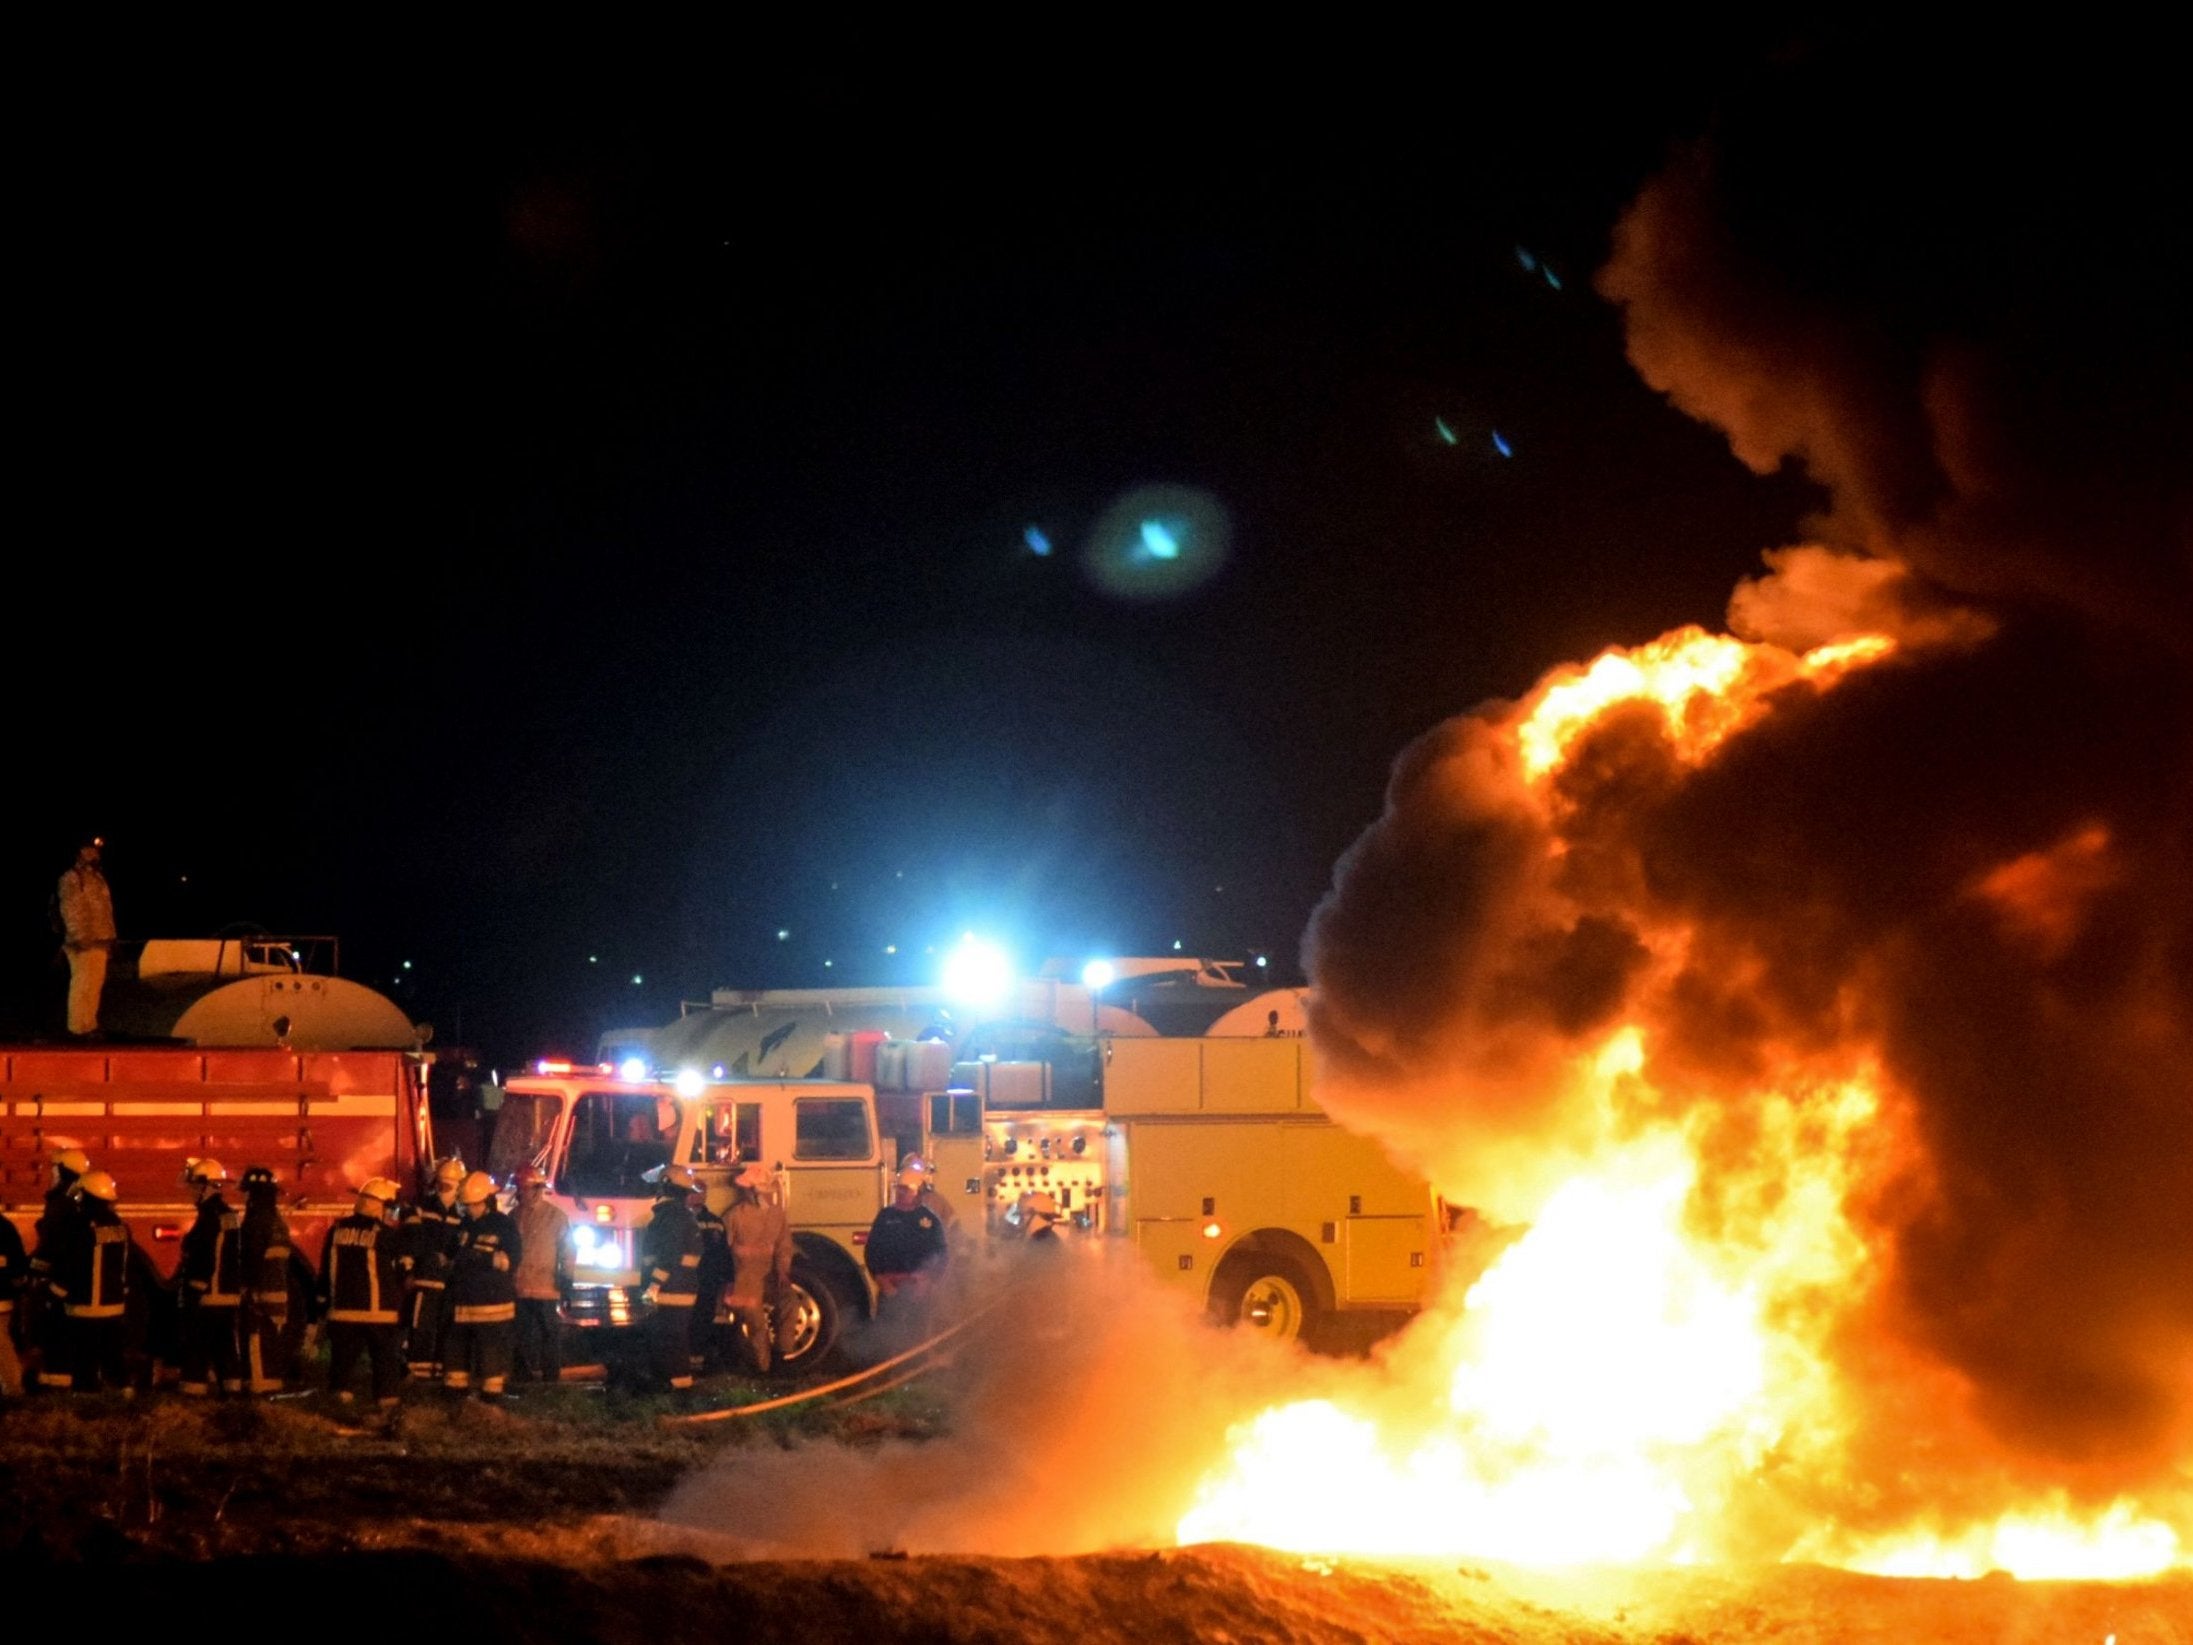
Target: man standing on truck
[(86, 908), (544, 1274), (211, 1271), (670, 1266), (760, 1237)]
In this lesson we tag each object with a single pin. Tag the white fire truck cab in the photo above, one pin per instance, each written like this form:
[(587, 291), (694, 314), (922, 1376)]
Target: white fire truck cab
[(598, 1135)]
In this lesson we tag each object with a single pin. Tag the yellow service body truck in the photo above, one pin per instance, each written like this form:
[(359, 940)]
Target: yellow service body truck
[(1212, 1156)]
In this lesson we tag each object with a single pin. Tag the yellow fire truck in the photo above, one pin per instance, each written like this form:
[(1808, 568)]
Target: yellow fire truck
[(1211, 1155)]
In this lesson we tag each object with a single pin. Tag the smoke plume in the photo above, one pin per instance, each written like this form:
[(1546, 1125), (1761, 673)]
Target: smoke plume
[(1966, 868)]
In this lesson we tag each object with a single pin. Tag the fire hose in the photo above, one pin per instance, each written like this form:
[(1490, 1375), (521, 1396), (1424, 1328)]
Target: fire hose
[(857, 1377)]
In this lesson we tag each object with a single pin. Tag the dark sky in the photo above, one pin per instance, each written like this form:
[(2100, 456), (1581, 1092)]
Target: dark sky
[(553, 532)]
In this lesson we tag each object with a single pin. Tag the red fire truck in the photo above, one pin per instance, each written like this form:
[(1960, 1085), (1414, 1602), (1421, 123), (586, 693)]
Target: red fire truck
[(323, 1121)]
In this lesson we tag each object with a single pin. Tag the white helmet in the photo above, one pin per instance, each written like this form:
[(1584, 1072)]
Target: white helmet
[(477, 1187), (756, 1176), (919, 1166), (911, 1179)]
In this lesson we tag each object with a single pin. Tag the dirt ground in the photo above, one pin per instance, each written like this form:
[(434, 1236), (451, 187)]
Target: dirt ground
[(537, 1522)]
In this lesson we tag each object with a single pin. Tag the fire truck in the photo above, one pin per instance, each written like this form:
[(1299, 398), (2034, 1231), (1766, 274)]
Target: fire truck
[(598, 1134), (1210, 1155), (246, 1055)]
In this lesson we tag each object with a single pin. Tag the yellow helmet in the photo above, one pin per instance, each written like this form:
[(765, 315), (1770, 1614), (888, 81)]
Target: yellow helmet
[(196, 1171), (69, 1156), (756, 1176), (378, 1189), (450, 1171), (99, 1185), (477, 1187)]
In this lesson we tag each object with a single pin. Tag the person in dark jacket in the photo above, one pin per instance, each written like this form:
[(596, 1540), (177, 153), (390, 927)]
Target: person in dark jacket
[(708, 1328), (361, 1293), (483, 1293), (907, 1254), (211, 1272), (430, 1241), (14, 1274), (263, 1314), (91, 1282), (670, 1265), (45, 1325)]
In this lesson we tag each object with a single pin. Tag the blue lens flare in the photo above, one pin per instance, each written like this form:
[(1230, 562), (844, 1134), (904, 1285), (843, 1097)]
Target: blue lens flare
[(1038, 544), (1156, 543)]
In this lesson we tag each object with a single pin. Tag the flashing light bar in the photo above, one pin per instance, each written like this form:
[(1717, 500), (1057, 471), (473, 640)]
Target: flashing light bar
[(549, 1065)]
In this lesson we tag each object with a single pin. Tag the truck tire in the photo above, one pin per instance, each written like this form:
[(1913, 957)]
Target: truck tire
[(812, 1320), (1266, 1294)]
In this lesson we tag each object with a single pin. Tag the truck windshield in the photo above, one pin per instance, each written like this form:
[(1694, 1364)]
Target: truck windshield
[(616, 1138), (524, 1126)]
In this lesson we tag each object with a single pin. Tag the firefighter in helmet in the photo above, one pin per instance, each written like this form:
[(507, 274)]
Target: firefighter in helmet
[(430, 1240), (710, 1323), (543, 1276), (91, 1283), (760, 1237), (263, 1314), (670, 1266), (45, 1326), (483, 1292), (361, 1293), (907, 1255), (211, 1271)]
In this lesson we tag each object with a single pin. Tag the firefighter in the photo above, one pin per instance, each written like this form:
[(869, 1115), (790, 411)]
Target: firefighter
[(45, 1327), (361, 1293), (1039, 1218), (544, 1276), (483, 1292), (14, 1273), (91, 1282), (430, 1239), (710, 1325), (86, 907), (263, 1312), (760, 1237), (670, 1262), (211, 1273), (931, 1200), (907, 1255)]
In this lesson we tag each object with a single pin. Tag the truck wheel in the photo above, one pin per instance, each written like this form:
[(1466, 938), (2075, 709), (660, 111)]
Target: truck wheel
[(811, 1318), (1266, 1295)]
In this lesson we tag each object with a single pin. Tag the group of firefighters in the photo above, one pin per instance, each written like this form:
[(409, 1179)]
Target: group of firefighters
[(446, 1290)]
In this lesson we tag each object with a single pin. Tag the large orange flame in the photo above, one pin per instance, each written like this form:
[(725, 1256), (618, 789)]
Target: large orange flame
[(1652, 1371)]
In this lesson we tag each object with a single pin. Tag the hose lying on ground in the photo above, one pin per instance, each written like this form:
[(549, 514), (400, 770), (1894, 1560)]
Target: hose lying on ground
[(857, 1377)]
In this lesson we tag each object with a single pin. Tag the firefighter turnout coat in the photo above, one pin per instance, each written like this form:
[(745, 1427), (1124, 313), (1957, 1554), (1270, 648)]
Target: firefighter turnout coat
[(362, 1273), (483, 1285), (91, 1269)]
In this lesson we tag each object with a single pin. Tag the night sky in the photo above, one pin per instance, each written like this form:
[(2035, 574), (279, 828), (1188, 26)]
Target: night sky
[(552, 545)]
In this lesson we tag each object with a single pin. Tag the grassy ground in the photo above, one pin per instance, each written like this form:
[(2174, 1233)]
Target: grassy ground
[(103, 1477)]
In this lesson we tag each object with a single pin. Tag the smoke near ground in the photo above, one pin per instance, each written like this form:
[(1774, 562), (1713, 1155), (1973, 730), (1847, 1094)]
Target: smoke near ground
[(1083, 1407), (1960, 306)]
